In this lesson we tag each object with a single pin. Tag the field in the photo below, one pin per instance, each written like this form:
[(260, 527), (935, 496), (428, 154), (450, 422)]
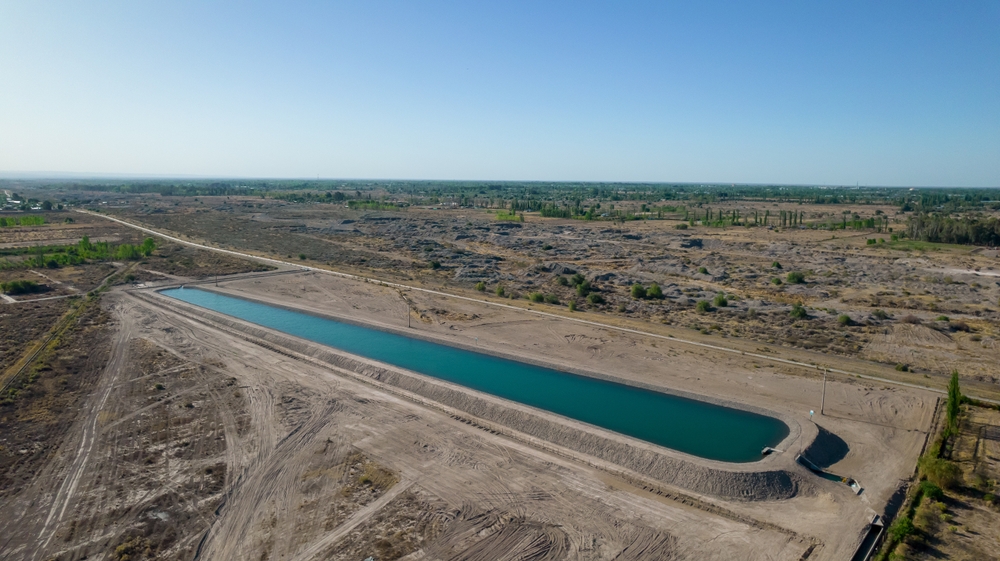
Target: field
[(184, 435)]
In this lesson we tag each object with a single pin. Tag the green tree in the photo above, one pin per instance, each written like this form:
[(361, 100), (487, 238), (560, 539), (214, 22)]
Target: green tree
[(720, 301), (499, 290), (595, 298), (940, 471), (147, 247), (536, 297), (655, 291), (703, 306), (703, 270), (583, 289), (481, 286), (572, 306), (901, 528), (638, 291), (954, 400), (799, 312), (796, 277)]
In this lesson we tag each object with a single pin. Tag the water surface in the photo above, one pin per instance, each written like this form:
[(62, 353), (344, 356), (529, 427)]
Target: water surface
[(691, 426)]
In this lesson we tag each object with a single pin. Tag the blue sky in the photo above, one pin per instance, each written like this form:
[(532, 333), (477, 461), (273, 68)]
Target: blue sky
[(881, 93)]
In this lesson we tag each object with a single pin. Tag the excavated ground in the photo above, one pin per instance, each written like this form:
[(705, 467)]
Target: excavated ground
[(199, 443), (320, 464)]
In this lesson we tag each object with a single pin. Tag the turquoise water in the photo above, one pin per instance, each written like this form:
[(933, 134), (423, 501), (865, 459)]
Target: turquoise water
[(691, 426)]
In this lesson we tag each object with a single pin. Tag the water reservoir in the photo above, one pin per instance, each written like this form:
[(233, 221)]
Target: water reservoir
[(687, 425)]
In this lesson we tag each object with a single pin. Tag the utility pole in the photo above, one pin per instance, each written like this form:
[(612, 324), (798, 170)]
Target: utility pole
[(407, 303), (822, 404)]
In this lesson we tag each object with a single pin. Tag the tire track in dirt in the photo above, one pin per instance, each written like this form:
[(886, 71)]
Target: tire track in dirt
[(90, 430), (355, 520)]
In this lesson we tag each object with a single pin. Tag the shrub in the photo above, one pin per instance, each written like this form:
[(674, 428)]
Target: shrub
[(901, 528), (776, 281), (576, 279), (703, 306), (931, 491), (796, 277), (583, 289), (776, 265), (551, 299), (681, 226), (595, 298), (536, 297), (435, 265), (941, 318), (638, 291), (959, 326), (927, 515), (910, 318), (703, 270), (547, 247), (572, 306), (481, 286), (302, 256), (799, 312), (880, 314), (940, 472), (902, 367), (655, 291), (499, 290), (844, 319), (720, 301), (561, 281), (20, 287)]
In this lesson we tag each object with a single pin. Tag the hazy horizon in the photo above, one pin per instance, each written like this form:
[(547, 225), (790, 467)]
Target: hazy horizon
[(889, 94)]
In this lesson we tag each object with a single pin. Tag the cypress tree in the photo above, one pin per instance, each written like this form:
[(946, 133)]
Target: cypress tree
[(954, 399)]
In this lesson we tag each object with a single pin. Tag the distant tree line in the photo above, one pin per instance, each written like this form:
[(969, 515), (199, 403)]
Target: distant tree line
[(53, 257), (967, 230), (28, 220)]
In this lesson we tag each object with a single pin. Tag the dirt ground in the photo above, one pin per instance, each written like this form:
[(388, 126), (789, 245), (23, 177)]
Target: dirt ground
[(883, 427), (965, 525), (877, 287), (142, 471), (282, 431), (195, 442)]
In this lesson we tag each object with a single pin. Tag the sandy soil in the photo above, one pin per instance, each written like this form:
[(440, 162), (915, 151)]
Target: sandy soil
[(199, 443), (485, 493), (883, 428)]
